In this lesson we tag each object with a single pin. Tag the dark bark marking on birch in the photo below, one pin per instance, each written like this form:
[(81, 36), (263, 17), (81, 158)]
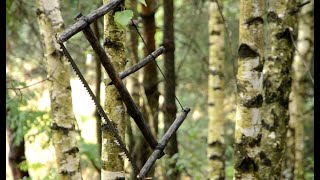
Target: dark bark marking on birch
[(216, 33), (216, 158), (72, 151), (254, 102), (68, 173), (247, 165), (111, 44), (254, 21), (216, 73), (272, 17), (217, 88), (286, 34), (246, 51), (215, 143), (259, 68), (63, 129), (264, 158)]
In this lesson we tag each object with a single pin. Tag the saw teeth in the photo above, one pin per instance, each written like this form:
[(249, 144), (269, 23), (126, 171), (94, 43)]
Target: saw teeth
[(122, 154)]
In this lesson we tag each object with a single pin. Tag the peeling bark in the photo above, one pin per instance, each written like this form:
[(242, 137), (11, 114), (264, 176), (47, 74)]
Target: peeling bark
[(216, 142), (63, 122), (276, 85), (249, 83), (112, 162)]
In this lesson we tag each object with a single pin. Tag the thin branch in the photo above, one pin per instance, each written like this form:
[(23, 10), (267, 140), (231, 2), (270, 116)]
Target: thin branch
[(27, 86), (305, 64), (303, 4), (228, 35)]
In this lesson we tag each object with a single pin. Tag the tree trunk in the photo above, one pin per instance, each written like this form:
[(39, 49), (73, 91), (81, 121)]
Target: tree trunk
[(249, 87), (112, 162), (169, 108), (216, 143), (98, 82), (276, 85), (300, 75), (150, 104), (133, 85), (63, 122), (150, 78), (16, 156)]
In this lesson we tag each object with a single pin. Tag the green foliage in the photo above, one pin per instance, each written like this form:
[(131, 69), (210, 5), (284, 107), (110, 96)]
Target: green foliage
[(20, 118), (23, 165), (91, 151), (122, 18)]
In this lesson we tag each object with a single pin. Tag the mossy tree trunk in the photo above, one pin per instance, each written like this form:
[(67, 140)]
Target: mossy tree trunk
[(169, 106), (276, 85), (112, 162), (249, 87), (300, 76), (216, 143), (63, 122)]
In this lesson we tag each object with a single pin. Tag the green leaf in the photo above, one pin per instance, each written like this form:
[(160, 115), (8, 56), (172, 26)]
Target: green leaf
[(122, 18), (143, 2), (23, 166)]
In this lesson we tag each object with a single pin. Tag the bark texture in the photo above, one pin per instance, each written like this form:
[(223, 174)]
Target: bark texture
[(216, 143), (276, 85), (300, 74), (169, 108), (114, 38), (16, 156), (63, 122), (249, 87)]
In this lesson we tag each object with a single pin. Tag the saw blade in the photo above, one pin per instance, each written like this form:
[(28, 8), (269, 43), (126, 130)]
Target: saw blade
[(101, 112)]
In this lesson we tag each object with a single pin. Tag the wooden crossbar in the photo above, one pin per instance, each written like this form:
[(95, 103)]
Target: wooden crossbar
[(90, 18), (132, 108), (163, 143), (141, 64)]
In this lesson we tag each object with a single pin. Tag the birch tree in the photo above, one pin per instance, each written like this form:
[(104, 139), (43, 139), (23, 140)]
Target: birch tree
[(114, 44), (249, 87), (63, 122), (216, 143), (276, 85), (300, 66)]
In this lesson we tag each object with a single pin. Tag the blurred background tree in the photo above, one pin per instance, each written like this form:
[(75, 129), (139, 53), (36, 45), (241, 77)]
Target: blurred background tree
[(26, 65)]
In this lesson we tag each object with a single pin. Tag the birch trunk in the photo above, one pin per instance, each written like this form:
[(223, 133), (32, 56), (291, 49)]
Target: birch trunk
[(249, 87), (112, 162), (276, 85), (170, 108), (300, 74), (63, 122), (216, 143)]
